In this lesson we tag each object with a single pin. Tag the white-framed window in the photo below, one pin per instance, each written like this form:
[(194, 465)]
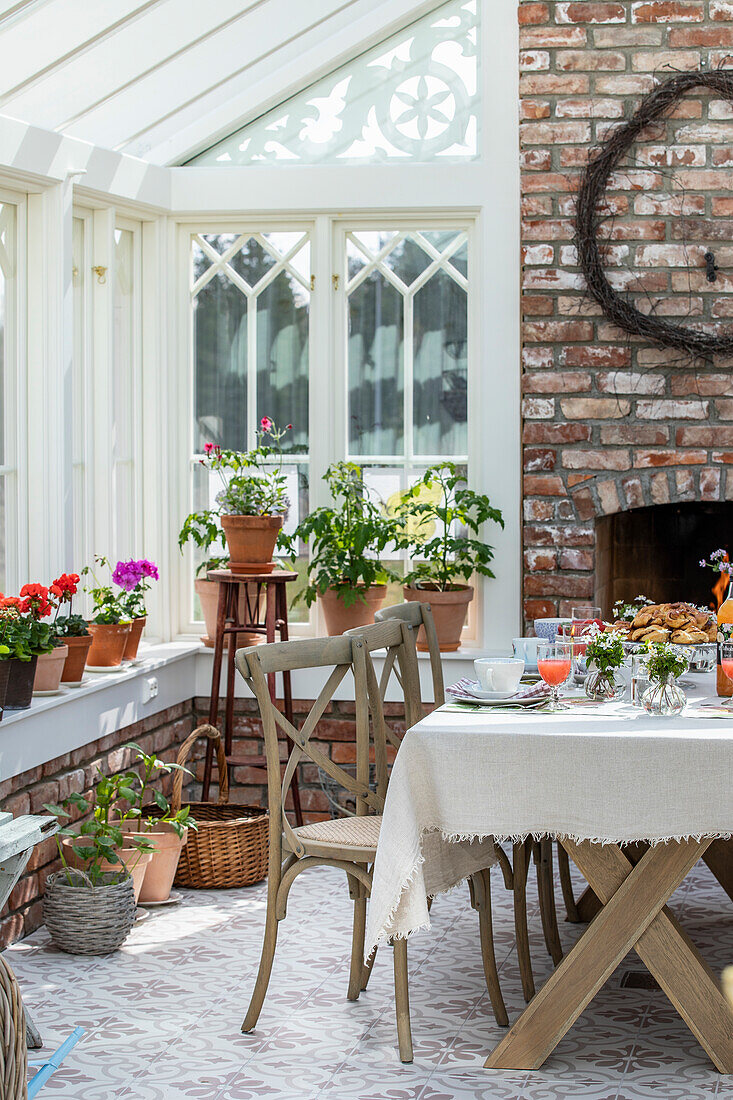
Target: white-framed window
[(13, 543), (81, 380), (126, 390), (392, 380)]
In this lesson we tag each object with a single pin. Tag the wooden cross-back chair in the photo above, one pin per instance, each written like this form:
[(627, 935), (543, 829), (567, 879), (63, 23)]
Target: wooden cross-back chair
[(348, 843), (419, 615), (396, 635)]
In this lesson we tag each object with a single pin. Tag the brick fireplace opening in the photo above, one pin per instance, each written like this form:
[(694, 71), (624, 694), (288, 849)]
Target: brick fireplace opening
[(656, 552)]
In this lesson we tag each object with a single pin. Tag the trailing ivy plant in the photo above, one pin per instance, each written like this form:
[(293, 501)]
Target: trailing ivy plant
[(347, 538), (441, 516)]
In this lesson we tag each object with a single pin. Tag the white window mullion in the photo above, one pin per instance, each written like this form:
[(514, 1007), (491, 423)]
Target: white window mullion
[(251, 370)]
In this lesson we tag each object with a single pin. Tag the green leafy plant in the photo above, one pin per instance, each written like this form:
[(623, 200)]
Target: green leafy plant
[(627, 610), (252, 484), (101, 834), (665, 660), (151, 766), (109, 606), (71, 626), (605, 650), (441, 516), (347, 538)]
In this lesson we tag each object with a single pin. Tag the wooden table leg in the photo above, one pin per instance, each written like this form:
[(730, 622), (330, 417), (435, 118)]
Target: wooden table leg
[(719, 858), (221, 616), (634, 916)]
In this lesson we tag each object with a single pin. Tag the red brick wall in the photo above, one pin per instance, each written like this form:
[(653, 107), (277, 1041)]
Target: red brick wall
[(610, 422)]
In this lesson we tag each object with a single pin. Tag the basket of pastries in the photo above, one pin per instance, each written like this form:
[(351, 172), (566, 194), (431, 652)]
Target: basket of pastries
[(679, 623)]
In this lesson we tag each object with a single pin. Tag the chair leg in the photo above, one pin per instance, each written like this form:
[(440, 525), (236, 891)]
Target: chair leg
[(521, 867), (481, 901), (356, 973), (263, 974), (566, 884), (546, 894), (402, 1000), (366, 972)]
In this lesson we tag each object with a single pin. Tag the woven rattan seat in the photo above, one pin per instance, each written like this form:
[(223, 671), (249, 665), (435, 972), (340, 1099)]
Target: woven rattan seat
[(347, 832)]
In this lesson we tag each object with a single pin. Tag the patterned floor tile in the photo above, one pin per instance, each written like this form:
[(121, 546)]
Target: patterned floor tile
[(163, 1015)]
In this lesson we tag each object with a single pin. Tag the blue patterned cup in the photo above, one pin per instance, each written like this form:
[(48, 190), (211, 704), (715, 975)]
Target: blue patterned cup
[(547, 628)]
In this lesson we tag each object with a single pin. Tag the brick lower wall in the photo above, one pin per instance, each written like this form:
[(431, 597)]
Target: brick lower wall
[(610, 422), (164, 733)]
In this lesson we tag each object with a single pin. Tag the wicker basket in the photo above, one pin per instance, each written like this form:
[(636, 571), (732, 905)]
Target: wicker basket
[(13, 1049), (230, 846), (86, 919)]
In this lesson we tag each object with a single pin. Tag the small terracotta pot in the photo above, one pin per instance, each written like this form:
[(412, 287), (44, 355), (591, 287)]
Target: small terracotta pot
[(49, 668), (161, 870), (20, 684), (449, 612), (4, 677), (108, 644), (361, 613), (251, 541), (133, 638), (134, 860), (77, 658)]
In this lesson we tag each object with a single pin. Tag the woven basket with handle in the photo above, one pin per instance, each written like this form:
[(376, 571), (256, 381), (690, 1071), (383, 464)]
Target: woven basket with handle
[(231, 844), (13, 1049)]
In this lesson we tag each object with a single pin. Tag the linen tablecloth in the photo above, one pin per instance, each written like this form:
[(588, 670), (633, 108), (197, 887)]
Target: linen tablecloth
[(612, 774)]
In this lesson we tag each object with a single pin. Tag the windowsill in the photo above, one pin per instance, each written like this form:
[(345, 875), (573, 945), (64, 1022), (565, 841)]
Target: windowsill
[(106, 702)]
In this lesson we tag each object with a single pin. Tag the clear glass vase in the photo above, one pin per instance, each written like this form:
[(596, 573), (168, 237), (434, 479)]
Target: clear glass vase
[(603, 685), (664, 697)]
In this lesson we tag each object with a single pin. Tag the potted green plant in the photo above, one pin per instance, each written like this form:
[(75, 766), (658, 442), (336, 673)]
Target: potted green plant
[(158, 826), (204, 531), (27, 638), (110, 624), (89, 907), (134, 578), (442, 516), (7, 615), (70, 630), (346, 540), (252, 502)]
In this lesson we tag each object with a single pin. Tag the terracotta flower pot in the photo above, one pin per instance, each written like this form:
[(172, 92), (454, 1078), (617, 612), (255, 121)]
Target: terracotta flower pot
[(361, 613), (20, 684), (4, 677), (49, 668), (134, 860), (251, 542), (208, 594), (108, 644), (133, 638), (161, 870), (76, 659), (449, 612)]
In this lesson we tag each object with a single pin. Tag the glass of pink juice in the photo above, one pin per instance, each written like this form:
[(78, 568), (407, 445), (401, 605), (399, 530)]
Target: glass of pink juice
[(554, 662), (726, 659)]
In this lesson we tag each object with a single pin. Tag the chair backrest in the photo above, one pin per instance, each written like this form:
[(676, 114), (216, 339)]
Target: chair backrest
[(420, 615), (397, 638), (342, 655)]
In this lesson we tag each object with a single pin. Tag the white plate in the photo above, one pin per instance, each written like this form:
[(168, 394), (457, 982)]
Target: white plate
[(43, 694), (481, 693), (512, 700), (75, 683)]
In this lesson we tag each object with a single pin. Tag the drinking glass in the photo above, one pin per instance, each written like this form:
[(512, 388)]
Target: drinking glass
[(582, 617), (639, 678), (554, 661), (726, 663)]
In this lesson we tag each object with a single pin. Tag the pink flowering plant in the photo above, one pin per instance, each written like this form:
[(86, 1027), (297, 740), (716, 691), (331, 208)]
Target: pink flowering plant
[(134, 578), (718, 562), (252, 484)]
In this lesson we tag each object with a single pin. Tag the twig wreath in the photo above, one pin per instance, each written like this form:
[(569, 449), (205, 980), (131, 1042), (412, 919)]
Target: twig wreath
[(654, 107)]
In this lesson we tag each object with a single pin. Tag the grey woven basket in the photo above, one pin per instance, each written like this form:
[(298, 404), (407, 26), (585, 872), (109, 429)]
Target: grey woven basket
[(85, 919), (13, 1049)]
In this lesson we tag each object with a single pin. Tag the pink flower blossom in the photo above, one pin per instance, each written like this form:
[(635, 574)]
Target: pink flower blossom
[(266, 424)]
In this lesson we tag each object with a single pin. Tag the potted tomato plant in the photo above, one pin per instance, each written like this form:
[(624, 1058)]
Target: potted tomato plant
[(110, 624), (253, 501), (442, 516), (134, 578), (346, 540)]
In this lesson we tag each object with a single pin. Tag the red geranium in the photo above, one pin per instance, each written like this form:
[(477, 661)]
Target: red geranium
[(35, 601), (65, 586)]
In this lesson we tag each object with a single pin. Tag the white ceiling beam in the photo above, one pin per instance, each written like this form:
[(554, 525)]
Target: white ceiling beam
[(273, 79), (47, 38), (115, 63)]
